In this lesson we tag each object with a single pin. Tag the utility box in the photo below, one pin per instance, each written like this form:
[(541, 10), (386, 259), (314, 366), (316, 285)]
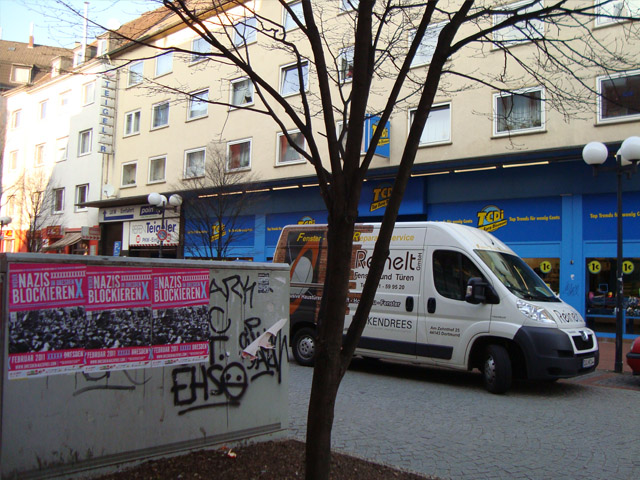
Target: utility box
[(107, 360)]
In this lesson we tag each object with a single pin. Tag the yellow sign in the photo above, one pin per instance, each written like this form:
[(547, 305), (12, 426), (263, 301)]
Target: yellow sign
[(594, 266), (545, 266), (627, 267)]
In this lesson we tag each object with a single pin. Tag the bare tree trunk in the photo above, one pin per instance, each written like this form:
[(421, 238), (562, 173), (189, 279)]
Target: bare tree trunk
[(329, 370)]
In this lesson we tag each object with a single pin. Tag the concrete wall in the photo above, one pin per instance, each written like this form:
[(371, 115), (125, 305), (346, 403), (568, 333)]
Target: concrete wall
[(58, 423)]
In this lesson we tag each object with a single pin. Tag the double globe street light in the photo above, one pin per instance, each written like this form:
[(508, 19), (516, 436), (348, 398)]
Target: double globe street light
[(161, 202), (595, 154)]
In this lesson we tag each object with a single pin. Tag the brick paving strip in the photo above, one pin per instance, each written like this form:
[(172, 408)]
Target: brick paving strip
[(609, 379)]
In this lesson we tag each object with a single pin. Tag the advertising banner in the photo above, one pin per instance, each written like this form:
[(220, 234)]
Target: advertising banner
[(118, 331), (46, 319), (180, 330)]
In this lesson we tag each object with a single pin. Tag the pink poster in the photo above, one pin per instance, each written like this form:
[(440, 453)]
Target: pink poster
[(180, 316), (46, 319), (118, 331)]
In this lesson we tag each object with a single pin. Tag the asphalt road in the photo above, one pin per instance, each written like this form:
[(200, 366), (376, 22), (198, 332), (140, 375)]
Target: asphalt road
[(444, 423)]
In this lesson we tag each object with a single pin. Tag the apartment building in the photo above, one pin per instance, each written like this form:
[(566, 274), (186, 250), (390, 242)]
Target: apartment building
[(504, 161)]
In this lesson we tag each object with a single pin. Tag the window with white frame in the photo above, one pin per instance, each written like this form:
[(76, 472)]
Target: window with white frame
[(16, 119), (287, 154), (103, 46), (63, 101), (245, 32), (241, 92), (290, 78), (39, 154), (198, 105), (84, 142), (239, 155), (164, 63), (134, 76), (199, 46), (347, 5), (345, 65), (58, 200), (523, 31), (340, 127), (21, 74), (132, 123), (616, 11), (438, 127), (619, 97), (88, 93), (519, 112), (288, 22), (78, 57), (82, 195), (13, 159), (157, 168), (62, 149), (129, 174), (160, 115), (194, 160), (42, 109), (427, 46)]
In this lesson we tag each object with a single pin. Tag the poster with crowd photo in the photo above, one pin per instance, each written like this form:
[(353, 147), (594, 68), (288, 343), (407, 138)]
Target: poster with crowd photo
[(118, 324), (180, 332), (46, 319)]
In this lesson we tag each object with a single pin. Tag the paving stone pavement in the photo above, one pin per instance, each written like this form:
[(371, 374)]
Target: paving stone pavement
[(445, 424)]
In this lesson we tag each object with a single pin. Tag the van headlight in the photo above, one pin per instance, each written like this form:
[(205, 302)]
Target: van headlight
[(532, 312)]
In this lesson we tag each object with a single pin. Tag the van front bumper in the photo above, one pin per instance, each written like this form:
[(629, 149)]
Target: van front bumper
[(551, 353)]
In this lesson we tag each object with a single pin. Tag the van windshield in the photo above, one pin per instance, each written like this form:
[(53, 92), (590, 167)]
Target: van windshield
[(517, 276)]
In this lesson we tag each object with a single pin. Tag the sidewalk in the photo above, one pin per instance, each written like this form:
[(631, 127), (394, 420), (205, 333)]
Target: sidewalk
[(608, 354)]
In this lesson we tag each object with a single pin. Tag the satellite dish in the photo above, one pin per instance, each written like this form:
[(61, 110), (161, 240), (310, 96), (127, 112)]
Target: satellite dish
[(113, 24), (108, 190)]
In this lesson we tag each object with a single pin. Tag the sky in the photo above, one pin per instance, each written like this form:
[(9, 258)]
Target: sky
[(56, 25)]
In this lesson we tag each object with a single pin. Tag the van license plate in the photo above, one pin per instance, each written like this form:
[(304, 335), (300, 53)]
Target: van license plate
[(588, 362)]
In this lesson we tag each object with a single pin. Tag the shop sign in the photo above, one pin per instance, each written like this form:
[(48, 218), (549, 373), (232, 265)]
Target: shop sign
[(594, 267), (134, 212), (277, 221), (107, 112), (147, 233)]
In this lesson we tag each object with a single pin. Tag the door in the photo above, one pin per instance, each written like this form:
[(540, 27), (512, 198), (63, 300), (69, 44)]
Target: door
[(450, 323)]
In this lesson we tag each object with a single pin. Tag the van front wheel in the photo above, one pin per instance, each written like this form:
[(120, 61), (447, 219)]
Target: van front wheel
[(304, 346), (497, 369)]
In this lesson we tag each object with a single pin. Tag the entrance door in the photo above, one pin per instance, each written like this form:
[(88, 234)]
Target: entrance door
[(449, 322)]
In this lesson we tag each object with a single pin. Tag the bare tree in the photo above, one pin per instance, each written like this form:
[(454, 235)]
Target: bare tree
[(32, 199), (362, 63), (216, 198)]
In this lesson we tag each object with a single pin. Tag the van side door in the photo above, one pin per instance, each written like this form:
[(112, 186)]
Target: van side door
[(450, 324)]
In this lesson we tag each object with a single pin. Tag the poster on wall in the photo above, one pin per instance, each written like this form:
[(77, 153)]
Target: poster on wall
[(180, 328), (46, 319), (118, 325)]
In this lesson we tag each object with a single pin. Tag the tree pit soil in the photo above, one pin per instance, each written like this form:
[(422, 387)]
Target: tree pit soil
[(272, 460)]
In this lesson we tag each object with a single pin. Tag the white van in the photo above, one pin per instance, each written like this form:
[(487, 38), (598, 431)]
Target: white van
[(450, 296)]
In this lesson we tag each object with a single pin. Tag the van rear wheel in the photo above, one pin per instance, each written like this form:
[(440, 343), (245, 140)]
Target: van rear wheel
[(497, 369), (304, 346)]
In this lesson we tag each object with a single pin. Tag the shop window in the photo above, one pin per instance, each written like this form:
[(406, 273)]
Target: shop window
[(601, 294), (548, 269), (451, 273)]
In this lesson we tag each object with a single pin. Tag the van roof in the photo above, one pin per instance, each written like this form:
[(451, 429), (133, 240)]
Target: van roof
[(465, 236)]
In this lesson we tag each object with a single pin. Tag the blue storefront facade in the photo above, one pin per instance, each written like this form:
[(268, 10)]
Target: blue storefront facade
[(554, 213)]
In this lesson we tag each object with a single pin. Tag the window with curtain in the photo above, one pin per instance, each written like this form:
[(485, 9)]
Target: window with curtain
[(160, 116), (241, 92), (438, 126), (194, 163), (518, 112), (619, 97), (286, 152), (424, 54), (239, 155)]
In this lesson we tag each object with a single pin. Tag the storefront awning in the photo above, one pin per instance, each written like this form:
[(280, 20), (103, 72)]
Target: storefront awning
[(68, 239)]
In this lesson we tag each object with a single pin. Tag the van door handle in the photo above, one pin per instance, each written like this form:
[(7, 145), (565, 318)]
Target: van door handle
[(431, 305), (408, 304)]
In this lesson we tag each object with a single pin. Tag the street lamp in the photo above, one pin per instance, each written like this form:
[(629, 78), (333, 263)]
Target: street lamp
[(4, 221), (595, 154), (160, 201)]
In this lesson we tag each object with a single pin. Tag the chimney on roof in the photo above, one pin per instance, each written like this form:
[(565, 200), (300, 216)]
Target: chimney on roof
[(31, 35)]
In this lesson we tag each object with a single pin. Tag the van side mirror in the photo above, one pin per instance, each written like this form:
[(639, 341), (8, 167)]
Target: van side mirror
[(479, 291)]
